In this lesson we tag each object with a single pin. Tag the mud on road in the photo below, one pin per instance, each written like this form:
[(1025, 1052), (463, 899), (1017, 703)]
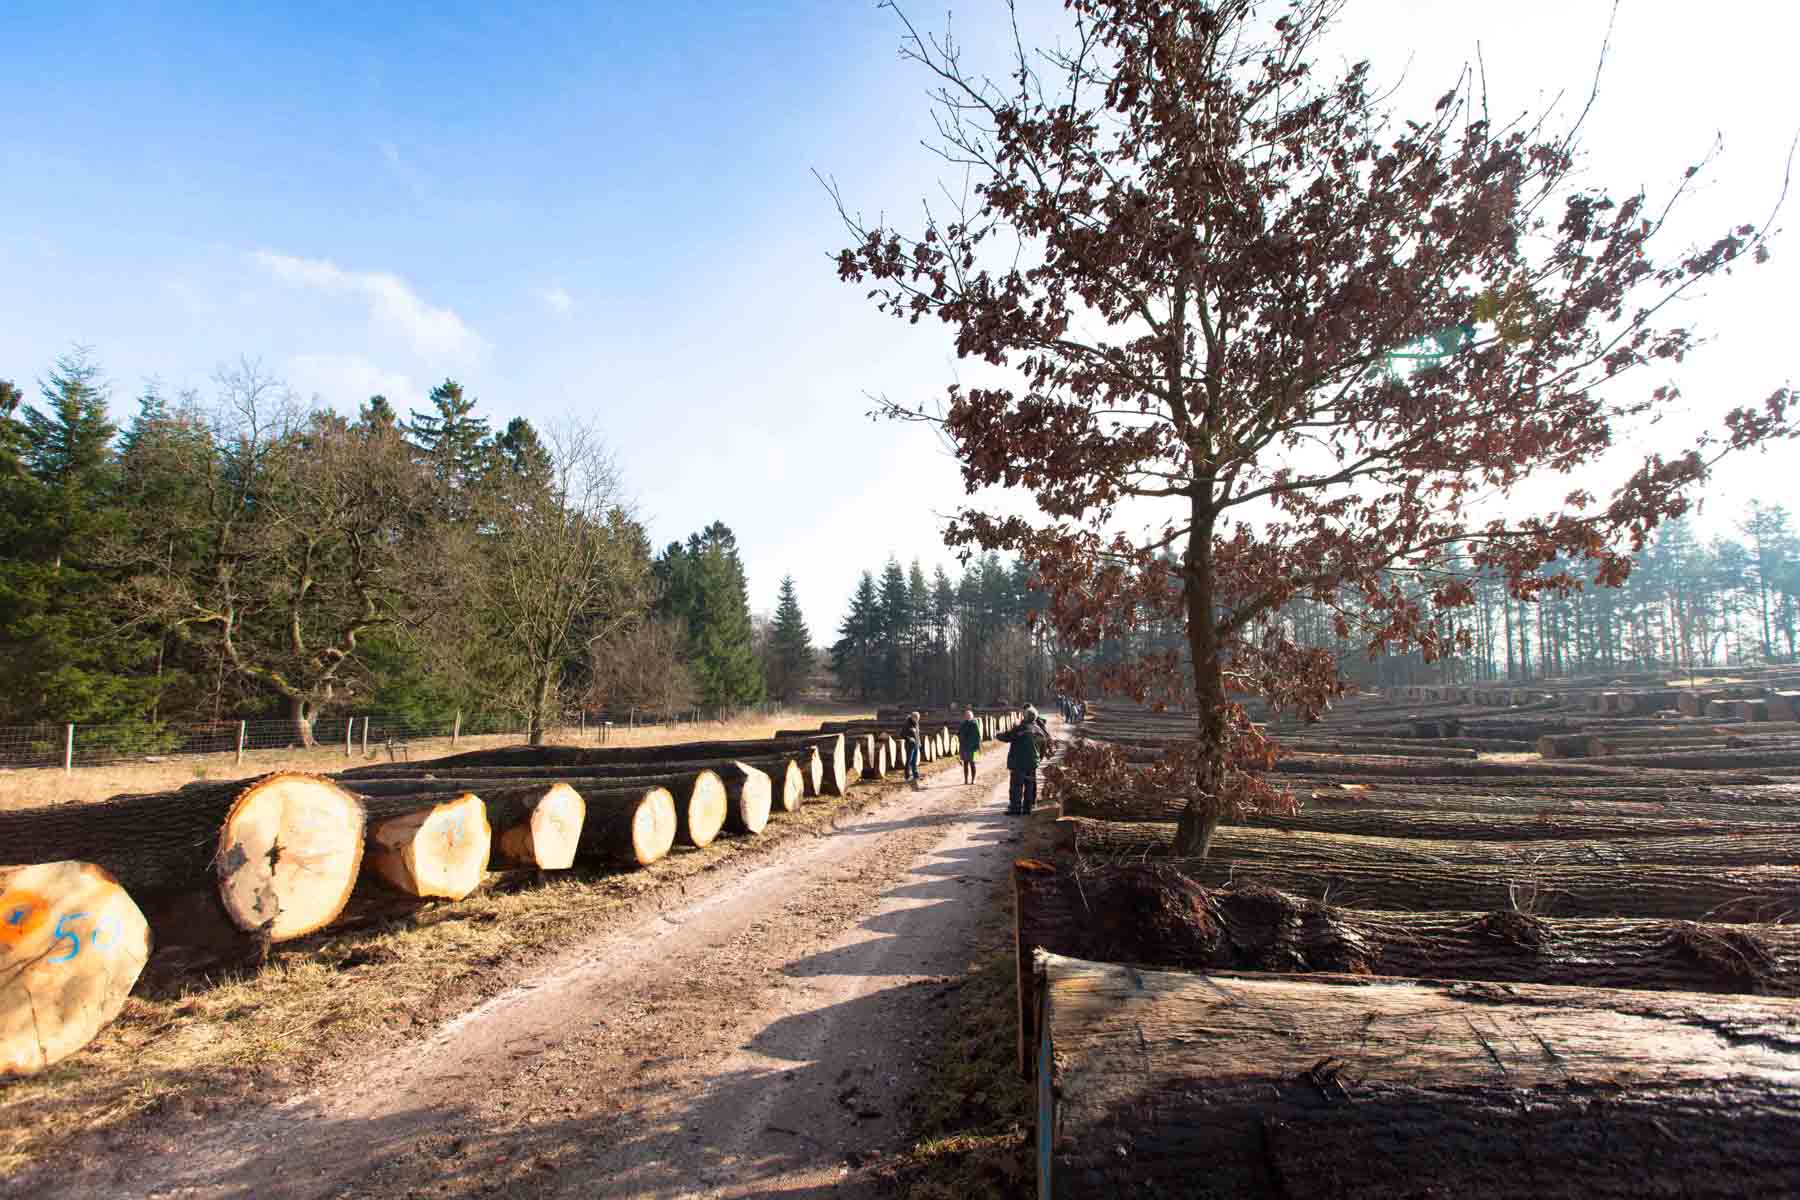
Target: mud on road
[(755, 1036)]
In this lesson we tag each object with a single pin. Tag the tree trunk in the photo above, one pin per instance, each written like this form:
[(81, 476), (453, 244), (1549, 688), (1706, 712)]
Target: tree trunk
[(300, 712), (1138, 839), (699, 795), (828, 746), (1486, 826), (282, 851), (1277, 1087), (72, 944), (439, 851), (1735, 895), (632, 827), (1151, 915), (534, 824), (747, 797)]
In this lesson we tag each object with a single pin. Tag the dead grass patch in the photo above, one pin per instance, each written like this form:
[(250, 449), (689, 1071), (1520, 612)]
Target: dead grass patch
[(200, 1044), (40, 786)]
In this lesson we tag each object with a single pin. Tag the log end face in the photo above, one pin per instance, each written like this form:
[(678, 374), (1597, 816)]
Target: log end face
[(72, 944), (549, 839), (440, 852), (288, 854), (750, 812), (704, 812), (653, 826), (787, 793)]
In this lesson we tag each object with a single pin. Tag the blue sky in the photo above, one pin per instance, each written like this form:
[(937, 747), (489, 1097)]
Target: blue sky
[(608, 213)]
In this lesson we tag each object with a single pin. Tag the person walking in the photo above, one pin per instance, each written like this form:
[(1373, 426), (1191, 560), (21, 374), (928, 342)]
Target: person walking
[(1028, 740), (911, 738), (968, 741)]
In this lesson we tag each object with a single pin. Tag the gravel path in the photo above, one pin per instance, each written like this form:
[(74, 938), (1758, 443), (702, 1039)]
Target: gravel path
[(756, 1037)]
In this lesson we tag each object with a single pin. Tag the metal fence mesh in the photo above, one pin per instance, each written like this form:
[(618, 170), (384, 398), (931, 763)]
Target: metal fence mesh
[(78, 745)]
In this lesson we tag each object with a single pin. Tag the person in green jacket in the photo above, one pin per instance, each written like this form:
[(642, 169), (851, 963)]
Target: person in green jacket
[(968, 741), (1030, 739)]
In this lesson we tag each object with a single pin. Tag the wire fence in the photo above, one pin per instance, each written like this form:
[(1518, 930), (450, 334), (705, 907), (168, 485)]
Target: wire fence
[(72, 745)]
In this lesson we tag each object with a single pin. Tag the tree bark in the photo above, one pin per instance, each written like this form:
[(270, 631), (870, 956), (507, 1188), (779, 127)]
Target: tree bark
[(440, 851), (301, 714), (1489, 826), (747, 792), (631, 827), (1736, 895), (1138, 839), (1276, 1087), (72, 944), (1152, 915), (282, 851), (828, 746)]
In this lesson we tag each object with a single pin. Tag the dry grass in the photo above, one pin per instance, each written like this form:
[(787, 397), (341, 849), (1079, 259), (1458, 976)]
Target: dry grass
[(194, 1045), (38, 787)]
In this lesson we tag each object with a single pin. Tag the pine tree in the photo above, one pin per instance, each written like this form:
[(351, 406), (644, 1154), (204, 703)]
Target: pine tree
[(853, 658), (455, 442), (792, 656), (703, 584), (896, 621)]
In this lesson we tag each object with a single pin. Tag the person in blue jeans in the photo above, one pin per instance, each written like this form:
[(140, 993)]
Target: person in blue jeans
[(911, 738), (1029, 740)]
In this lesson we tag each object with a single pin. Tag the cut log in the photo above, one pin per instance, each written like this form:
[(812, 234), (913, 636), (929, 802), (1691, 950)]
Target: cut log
[(787, 787), (1785, 761), (632, 828), (1490, 826), (1151, 915), (1272, 1086), (397, 778), (746, 796), (591, 756), (538, 827), (1138, 839), (700, 801), (1735, 895), (440, 851), (282, 851), (72, 944)]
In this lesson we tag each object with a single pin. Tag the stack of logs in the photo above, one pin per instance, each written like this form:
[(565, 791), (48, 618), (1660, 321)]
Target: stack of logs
[(217, 871), (1442, 973)]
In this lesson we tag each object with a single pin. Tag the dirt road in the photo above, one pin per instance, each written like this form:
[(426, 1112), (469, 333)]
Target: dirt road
[(757, 1037)]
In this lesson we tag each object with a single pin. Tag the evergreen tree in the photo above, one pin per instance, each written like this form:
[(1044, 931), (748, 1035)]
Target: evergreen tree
[(455, 442), (853, 656), (703, 584), (896, 622), (791, 656)]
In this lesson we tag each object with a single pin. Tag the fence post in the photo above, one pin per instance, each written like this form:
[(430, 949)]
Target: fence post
[(69, 750), (583, 732), (349, 728), (242, 727), (455, 728), (365, 737)]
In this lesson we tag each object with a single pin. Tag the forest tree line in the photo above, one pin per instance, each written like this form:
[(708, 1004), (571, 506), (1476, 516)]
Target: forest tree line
[(1690, 604), (936, 641), (248, 555)]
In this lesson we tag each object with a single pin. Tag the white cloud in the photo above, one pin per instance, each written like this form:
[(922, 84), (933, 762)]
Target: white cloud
[(556, 299), (432, 331), (345, 381)]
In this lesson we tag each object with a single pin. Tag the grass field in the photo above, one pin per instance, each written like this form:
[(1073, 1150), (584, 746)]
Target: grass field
[(36, 787)]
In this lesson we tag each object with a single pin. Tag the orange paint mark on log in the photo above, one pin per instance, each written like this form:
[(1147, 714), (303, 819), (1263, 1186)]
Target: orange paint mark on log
[(20, 913)]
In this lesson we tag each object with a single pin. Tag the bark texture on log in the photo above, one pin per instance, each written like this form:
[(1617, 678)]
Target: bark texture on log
[(72, 944), (437, 852), (1152, 915), (593, 756), (1734, 895), (747, 798), (1269, 1086), (282, 850), (632, 828), (1137, 839), (1505, 827)]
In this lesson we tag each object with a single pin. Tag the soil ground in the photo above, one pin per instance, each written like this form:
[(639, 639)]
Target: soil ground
[(758, 1032)]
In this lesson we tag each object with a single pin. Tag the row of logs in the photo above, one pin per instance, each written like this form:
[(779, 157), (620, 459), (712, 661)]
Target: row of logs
[(238, 866)]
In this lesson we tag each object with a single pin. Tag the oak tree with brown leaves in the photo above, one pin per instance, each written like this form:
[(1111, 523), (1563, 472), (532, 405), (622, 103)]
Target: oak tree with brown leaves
[(1200, 260)]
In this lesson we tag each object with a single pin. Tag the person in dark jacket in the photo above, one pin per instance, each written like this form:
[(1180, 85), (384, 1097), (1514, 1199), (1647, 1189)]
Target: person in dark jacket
[(968, 742), (1029, 739), (911, 738)]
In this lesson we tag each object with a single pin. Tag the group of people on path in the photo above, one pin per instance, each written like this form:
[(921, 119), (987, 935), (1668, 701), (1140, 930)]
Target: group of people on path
[(1072, 709), (1028, 742)]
